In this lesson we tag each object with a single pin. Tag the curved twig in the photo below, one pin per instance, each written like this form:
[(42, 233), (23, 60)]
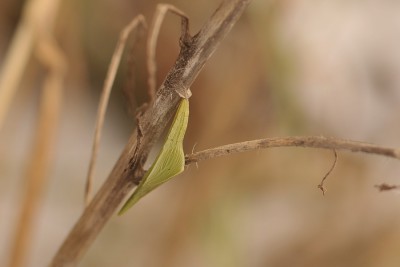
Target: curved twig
[(322, 183), (295, 141)]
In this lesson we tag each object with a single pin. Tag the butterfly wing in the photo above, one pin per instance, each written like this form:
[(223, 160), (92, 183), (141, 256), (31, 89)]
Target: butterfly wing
[(169, 162)]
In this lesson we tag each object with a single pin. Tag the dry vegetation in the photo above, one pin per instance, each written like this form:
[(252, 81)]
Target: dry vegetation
[(287, 68)]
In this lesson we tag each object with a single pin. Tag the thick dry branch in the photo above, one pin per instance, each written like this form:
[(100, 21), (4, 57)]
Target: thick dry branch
[(295, 141), (194, 53)]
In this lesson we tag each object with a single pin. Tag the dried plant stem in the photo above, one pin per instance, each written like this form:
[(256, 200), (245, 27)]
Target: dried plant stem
[(37, 16), (40, 159), (295, 141), (33, 31), (105, 95), (195, 51)]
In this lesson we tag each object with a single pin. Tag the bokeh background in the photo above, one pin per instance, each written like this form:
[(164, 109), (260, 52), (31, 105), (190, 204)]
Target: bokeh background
[(289, 67)]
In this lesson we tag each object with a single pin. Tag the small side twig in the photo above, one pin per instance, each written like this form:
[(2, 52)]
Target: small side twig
[(321, 184), (295, 141), (300, 141), (105, 95)]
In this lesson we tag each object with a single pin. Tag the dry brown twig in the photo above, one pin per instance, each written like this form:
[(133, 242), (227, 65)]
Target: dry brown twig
[(387, 187), (293, 141), (321, 184), (299, 141)]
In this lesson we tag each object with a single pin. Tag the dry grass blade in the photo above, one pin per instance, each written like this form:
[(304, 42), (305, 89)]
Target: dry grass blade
[(36, 15), (158, 19), (40, 159), (105, 95)]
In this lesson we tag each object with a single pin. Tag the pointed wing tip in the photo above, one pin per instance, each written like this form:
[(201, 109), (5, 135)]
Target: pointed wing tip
[(128, 204), (122, 211)]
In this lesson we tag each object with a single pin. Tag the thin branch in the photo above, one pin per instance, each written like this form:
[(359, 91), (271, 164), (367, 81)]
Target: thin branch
[(105, 95), (296, 141), (195, 51)]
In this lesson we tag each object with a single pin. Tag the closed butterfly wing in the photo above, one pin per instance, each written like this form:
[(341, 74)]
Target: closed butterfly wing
[(169, 162)]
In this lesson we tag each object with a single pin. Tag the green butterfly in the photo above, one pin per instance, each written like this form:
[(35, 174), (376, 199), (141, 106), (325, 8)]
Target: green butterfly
[(169, 163)]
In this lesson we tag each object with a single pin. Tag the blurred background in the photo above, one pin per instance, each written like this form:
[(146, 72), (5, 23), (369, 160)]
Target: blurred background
[(288, 67)]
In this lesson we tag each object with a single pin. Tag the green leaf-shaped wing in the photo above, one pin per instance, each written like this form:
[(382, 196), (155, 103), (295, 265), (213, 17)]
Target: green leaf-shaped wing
[(170, 161)]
